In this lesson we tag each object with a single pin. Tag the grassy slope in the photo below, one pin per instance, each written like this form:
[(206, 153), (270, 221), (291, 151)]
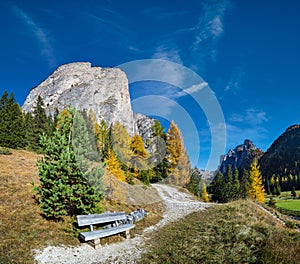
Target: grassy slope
[(23, 229), (235, 233), (290, 204)]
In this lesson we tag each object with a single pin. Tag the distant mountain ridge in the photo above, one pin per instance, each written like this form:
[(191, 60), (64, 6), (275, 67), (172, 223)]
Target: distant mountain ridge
[(283, 156)]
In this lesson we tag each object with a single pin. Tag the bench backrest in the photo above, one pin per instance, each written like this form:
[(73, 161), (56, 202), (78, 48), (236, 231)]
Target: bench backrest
[(92, 219)]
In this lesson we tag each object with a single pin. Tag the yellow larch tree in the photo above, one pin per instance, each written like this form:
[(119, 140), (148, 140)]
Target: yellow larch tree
[(179, 164), (255, 188), (174, 146), (113, 165)]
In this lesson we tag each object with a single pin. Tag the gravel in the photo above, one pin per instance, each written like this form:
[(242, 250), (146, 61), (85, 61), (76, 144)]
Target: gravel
[(178, 204)]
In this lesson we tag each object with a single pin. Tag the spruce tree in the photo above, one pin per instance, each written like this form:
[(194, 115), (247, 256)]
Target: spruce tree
[(11, 122), (63, 189), (217, 187), (236, 184)]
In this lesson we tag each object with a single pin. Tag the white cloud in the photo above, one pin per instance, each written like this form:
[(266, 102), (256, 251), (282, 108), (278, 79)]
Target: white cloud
[(39, 33), (251, 117)]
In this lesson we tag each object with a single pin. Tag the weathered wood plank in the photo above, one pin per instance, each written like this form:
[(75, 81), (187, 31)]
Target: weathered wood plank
[(92, 235), (85, 220)]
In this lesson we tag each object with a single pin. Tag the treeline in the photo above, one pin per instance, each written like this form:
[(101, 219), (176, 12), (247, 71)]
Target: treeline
[(20, 130), (279, 183), (124, 156), (231, 186)]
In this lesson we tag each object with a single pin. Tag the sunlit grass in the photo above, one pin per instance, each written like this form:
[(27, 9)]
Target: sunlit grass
[(293, 205), (239, 232)]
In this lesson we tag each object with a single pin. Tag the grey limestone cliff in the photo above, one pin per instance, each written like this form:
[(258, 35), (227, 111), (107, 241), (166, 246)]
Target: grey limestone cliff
[(240, 157), (103, 90)]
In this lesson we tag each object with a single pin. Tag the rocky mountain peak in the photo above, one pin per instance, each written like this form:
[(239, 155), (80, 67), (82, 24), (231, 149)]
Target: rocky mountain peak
[(240, 157), (102, 90)]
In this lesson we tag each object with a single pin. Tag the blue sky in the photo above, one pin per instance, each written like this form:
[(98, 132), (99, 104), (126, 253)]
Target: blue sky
[(248, 52)]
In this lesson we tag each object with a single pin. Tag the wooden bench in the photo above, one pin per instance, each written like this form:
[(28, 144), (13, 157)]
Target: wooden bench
[(115, 223)]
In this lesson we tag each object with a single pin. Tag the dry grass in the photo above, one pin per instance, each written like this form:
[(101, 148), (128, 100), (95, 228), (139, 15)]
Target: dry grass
[(238, 232), (23, 228)]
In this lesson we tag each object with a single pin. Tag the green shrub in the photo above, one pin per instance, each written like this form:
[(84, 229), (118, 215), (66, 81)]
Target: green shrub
[(5, 151)]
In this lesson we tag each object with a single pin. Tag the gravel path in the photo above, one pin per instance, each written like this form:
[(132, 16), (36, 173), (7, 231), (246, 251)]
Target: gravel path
[(178, 204)]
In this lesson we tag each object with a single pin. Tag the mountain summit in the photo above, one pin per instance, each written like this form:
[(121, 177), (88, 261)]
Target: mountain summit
[(102, 90), (240, 157), (283, 157)]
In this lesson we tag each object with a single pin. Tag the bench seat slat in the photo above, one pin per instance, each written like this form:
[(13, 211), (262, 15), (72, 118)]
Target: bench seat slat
[(85, 220), (86, 236)]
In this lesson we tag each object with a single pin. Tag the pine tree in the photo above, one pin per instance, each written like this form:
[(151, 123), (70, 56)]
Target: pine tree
[(236, 184), (255, 189), (40, 125), (103, 141), (293, 192), (63, 189), (195, 181), (217, 187), (229, 192), (87, 156), (158, 143), (11, 123)]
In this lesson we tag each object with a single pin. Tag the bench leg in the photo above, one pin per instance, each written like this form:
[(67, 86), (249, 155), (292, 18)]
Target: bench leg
[(95, 243), (127, 234)]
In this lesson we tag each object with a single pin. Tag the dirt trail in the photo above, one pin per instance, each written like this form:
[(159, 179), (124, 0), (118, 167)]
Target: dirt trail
[(178, 204)]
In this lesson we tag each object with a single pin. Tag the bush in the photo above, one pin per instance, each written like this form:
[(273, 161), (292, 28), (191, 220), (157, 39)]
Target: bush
[(5, 151)]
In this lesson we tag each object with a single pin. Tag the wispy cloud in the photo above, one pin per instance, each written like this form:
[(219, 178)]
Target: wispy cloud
[(164, 52), (251, 116), (249, 125), (234, 84), (39, 33), (210, 27)]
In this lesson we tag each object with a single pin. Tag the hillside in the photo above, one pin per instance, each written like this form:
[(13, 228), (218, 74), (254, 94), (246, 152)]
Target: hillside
[(283, 156), (22, 226)]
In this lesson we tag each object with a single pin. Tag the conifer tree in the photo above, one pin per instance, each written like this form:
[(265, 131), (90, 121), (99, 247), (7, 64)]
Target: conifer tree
[(113, 165), (103, 140), (41, 124), (87, 156), (236, 184), (11, 122), (179, 164), (204, 194), (255, 189), (121, 143), (195, 180), (174, 146), (160, 171), (63, 189), (217, 186)]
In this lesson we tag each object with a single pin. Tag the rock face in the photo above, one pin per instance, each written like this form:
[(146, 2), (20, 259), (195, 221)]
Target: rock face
[(283, 157), (240, 157), (144, 124), (103, 90)]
